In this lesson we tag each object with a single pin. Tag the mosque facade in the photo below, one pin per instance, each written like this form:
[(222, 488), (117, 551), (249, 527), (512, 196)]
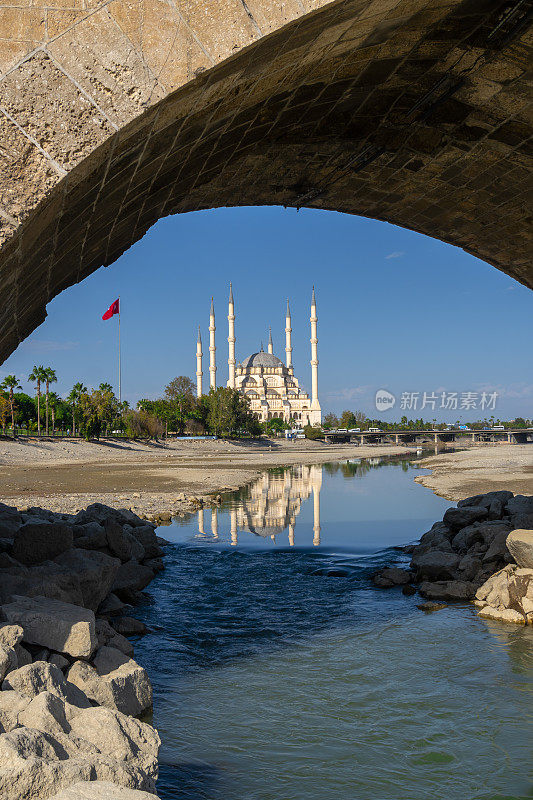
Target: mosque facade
[(271, 386)]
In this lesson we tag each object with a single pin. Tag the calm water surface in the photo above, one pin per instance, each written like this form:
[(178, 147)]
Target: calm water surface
[(281, 673)]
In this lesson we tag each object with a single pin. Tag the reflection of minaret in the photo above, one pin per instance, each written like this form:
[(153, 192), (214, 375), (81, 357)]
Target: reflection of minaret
[(288, 332), (291, 534), (201, 521), (270, 344), (214, 522), (233, 528), (315, 475), (231, 340), (199, 372), (212, 348)]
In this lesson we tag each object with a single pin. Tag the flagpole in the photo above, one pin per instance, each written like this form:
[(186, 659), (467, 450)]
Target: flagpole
[(119, 364)]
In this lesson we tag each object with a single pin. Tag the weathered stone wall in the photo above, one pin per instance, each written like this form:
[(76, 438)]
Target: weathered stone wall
[(116, 113)]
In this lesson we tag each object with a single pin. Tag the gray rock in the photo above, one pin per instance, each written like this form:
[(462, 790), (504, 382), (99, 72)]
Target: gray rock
[(117, 541), (429, 606), (11, 704), (115, 681), (8, 660), (101, 790), (497, 550), (7, 561), (155, 564), (58, 626), (34, 543), (520, 504), (122, 737), (91, 536), (503, 496), (129, 626), (435, 565), (46, 581), (11, 635), (457, 518), (23, 656), (448, 590), (95, 572), (59, 661), (109, 636), (469, 567), (136, 549), (45, 712), (503, 615), (10, 522), (145, 534), (392, 576), (132, 575), (520, 545), (111, 605)]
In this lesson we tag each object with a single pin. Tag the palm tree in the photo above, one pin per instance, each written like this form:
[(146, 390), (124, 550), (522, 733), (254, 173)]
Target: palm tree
[(9, 384), (74, 398), (54, 401), (38, 376), (50, 377)]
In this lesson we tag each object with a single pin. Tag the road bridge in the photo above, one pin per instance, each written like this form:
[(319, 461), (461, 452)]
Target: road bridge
[(514, 435)]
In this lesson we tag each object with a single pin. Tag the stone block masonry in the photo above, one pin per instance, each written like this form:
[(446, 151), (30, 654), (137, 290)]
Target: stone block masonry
[(114, 114)]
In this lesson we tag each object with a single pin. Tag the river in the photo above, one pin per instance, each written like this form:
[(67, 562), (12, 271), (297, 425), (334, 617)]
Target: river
[(281, 673)]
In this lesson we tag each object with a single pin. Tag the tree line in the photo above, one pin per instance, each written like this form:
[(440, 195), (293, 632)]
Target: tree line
[(94, 412)]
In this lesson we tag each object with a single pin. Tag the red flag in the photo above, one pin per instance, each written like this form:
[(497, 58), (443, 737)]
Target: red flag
[(114, 308)]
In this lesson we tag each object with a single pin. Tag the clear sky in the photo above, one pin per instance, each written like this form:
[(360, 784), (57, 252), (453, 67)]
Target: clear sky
[(397, 311)]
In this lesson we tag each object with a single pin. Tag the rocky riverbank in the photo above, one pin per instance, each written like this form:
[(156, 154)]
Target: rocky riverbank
[(71, 692), (482, 552)]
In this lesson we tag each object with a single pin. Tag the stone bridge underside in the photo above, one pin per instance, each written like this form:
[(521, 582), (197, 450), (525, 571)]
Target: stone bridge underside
[(114, 114)]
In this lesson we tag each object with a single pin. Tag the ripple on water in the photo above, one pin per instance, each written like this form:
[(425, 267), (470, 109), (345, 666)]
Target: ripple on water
[(276, 681)]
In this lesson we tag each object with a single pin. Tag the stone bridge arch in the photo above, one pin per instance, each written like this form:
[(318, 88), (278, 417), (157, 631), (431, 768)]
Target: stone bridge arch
[(114, 113)]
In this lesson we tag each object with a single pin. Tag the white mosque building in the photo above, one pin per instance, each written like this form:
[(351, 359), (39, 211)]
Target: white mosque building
[(269, 384)]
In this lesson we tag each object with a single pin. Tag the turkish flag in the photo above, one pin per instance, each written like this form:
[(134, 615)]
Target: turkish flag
[(114, 308)]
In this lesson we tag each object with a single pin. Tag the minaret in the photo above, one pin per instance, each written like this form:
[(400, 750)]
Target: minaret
[(270, 345), (212, 348), (288, 332), (315, 405), (199, 372), (231, 340)]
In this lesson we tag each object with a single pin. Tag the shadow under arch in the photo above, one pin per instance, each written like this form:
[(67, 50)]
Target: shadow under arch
[(409, 112)]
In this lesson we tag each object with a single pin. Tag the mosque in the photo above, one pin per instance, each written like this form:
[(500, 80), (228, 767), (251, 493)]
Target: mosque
[(269, 384)]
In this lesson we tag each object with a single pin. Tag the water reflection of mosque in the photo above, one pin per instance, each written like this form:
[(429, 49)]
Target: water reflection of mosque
[(271, 504)]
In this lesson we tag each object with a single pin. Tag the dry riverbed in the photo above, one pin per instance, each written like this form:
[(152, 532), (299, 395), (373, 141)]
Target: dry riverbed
[(68, 475), (480, 469)]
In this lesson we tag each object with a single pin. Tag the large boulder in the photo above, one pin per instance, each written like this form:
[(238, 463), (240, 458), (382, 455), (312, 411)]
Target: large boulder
[(8, 660), (115, 681), (94, 571), (388, 577), (459, 591), (11, 705), (34, 543), (132, 575), (117, 735), (108, 636), (91, 536), (45, 712), (41, 676), (502, 496), (62, 627), (101, 790), (46, 580), (11, 635), (146, 536), (34, 764), (457, 518), (435, 565), (520, 545), (503, 615)]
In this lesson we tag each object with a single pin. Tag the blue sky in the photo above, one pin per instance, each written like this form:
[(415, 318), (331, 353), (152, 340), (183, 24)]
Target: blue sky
[(397, 311)]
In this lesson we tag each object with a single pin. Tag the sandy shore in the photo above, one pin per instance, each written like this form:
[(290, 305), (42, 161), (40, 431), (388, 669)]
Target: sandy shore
[(479, 470), (68, 475)]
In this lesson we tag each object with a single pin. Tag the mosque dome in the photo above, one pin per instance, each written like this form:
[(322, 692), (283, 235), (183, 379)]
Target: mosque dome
[(262, 360)]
